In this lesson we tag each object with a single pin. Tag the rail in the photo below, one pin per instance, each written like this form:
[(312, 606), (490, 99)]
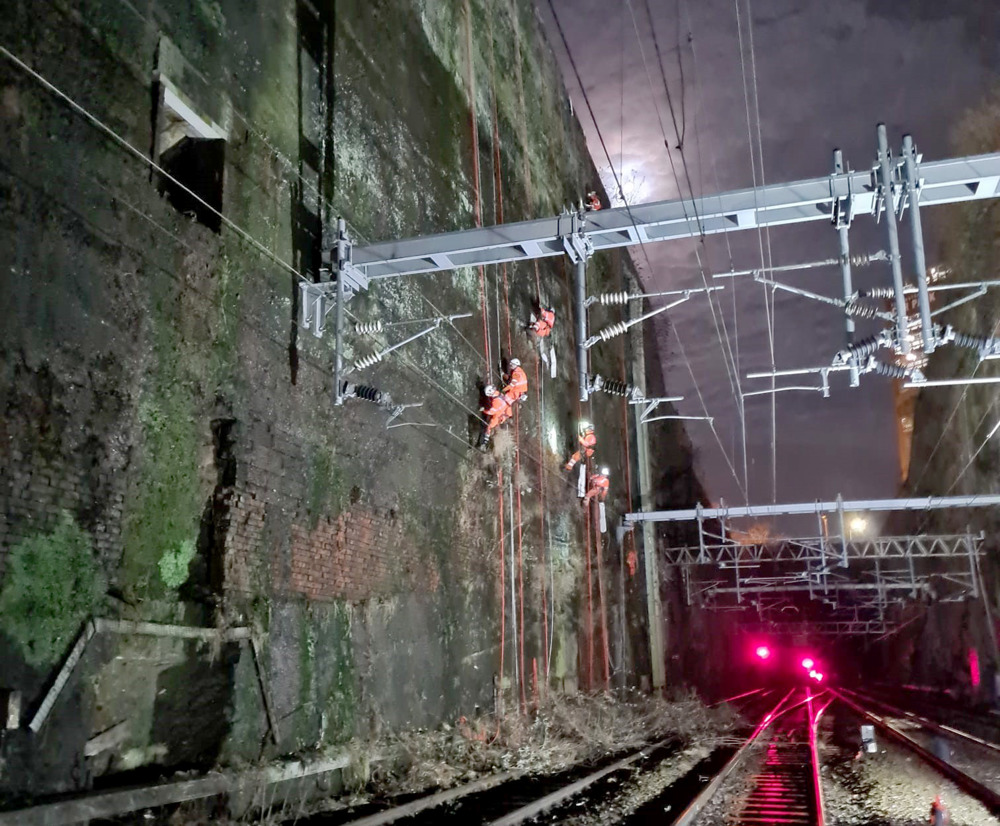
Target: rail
[(774, 779), (971, 786), (925, 722)]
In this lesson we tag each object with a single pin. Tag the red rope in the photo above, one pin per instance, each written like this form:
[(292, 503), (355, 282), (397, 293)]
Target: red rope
[(605, 652), (474, 129), (590, 606), (543, 536)]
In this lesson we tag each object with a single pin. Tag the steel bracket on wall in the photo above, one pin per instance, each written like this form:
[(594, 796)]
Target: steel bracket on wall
[(576, 243), (317, 299)]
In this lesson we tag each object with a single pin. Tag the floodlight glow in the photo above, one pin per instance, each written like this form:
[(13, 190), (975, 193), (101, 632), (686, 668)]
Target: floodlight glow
[(763, 652), (808, 662), (818, 677)]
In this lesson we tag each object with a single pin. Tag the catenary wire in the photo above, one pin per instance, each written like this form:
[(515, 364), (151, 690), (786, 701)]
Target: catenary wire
[(692, 41), (760, 241), (642, 245), (734, 380)]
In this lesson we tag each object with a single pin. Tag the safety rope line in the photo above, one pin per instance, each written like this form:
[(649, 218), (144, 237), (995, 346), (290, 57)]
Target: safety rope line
[(590, 600), (499, 217), (599, 546), (544, 545), (476, 171)]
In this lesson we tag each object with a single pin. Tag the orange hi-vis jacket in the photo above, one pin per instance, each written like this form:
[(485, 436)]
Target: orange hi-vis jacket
[(497, 411), (517, 384), (543, 325), (588, 440), (599, 485)]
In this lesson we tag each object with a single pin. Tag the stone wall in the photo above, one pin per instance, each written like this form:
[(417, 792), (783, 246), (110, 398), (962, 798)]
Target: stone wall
[(156, 383)]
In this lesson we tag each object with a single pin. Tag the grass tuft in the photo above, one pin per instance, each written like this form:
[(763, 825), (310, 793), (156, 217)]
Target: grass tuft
[(53, 583)]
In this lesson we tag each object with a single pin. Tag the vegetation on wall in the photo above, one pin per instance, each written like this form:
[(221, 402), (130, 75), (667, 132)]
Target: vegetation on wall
[(174, 564), (164, 513), (53, 583)]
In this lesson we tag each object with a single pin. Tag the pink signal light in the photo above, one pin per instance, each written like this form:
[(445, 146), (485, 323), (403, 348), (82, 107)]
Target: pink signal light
[(763, 652), (819, 677), (808, 663)]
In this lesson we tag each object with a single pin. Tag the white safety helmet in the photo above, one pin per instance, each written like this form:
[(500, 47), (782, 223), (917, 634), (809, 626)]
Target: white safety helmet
[(515, 362), (605, 471), (490, 390)]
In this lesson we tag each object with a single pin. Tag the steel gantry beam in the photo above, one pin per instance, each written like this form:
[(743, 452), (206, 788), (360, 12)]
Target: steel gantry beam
[(913, 503), (822, 549), (825, 628), (814, 199), (891, 582)]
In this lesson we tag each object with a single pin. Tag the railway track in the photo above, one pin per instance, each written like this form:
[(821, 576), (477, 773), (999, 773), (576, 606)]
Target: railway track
[(927, 723), (941, 707), (784, 789), (779, 779)]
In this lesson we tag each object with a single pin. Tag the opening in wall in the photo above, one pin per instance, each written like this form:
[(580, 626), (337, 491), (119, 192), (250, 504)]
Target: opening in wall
[(192, 150)]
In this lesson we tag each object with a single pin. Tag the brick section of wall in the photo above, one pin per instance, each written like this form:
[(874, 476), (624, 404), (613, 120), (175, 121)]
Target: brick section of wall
[(61, 450), (257, 512), (38, 491), (362, 554)]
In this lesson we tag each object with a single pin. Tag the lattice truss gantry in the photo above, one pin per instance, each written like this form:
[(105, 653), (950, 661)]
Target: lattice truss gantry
[(862, 577), (844, 582)]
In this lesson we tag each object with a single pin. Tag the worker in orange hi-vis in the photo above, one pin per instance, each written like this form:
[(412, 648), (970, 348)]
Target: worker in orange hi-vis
[(542, 326), (599, 484), (587, 440), (496, 411), (516, 387), (593, 203)]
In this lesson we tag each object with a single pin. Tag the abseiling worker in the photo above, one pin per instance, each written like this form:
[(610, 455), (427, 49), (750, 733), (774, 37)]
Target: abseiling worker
[(599, 484), (516, 387), (587, 440)]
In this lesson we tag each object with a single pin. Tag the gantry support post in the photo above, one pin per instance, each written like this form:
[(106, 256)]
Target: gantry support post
[(842, 221), (911, 173), (338, 351), (655, 621), (578, 247), (889, 210), (580, 301)]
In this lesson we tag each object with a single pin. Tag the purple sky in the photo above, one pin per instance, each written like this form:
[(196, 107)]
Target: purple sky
[(826, 73)]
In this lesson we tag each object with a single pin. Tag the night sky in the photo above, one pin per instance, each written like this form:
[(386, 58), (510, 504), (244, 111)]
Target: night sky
[(826, 73)]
